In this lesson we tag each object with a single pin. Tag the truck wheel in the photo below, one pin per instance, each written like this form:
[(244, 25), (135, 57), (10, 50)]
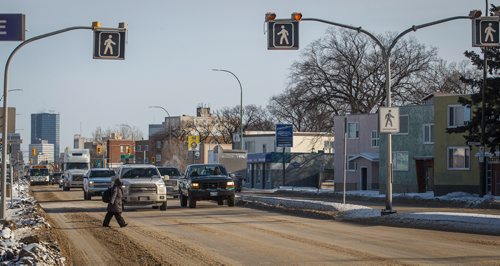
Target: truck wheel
[(192, 202), (230, 201), (183, 200), (156, 207), (163, 207), (65, 188), (86, 196), (220, 202)]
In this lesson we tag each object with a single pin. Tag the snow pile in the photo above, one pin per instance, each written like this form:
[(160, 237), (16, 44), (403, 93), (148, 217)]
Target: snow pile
[(344, 210), (19, 243)]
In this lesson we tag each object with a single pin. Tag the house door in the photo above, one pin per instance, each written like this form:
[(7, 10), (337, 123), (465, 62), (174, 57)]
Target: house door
[(364, 178), (425, 175)]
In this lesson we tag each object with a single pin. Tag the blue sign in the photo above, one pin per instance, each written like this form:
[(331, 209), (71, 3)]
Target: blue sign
[(12, 27), (283, 35), (284, 135), (486, 32), (109, 44)]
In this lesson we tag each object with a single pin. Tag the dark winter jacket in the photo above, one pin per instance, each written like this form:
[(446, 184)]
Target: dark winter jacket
[(116, 202)]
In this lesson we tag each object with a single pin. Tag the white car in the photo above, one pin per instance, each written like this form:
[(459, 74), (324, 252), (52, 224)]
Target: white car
[(96, 181)]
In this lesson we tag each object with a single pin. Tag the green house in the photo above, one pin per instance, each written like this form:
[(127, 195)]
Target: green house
[(412, 151)]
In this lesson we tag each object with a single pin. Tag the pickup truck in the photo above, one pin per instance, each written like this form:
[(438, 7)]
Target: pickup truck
[(96, 181), (142, 185), (206, 182)]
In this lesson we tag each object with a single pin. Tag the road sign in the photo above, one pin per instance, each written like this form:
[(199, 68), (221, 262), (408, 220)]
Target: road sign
[(283, 34), (388, 119), (486, 32), (193, 143), (284, 135), (126, 156), (109, 43), (12, 27)]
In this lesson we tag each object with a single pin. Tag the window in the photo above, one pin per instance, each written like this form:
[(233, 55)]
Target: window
[(458, 115), (158, 144), (146, 147), (458, 158), (350, 164), (138, 148), (158, 157), (428, 134), (353, 130), (121, 148), (375, 138), (403, 124), (400, 160), (264, 148), (250, 146)]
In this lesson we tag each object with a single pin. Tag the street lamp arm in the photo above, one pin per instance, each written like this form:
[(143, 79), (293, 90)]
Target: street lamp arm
[(417, 27), (5, 110), (157, 106), (358, 29)]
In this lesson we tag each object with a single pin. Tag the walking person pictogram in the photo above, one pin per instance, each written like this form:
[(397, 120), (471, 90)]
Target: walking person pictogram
[(489, 33), (109, 44), (284, 35), (388, 118)]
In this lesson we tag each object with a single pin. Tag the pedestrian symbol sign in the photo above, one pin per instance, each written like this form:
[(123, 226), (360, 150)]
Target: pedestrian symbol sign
[(109, 44), (486, 32), (388, 118), (283, 35)]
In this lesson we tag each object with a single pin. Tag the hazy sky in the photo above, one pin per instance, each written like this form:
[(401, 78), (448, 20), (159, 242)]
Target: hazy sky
[(172, 47)]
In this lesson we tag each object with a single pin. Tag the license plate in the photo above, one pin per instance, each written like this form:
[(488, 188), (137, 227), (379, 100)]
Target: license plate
[(143, 198), (213, 194)]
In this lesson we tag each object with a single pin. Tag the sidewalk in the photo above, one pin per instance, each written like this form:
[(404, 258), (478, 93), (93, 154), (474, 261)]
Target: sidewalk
[(446, 221)]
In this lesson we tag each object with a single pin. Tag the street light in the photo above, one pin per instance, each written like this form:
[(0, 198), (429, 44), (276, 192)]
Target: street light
[(241, 104), (1, 98), (169, 122), (386, 53)]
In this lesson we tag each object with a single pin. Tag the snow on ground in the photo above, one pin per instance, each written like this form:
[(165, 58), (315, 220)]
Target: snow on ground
[(19, 244), (473, 222)]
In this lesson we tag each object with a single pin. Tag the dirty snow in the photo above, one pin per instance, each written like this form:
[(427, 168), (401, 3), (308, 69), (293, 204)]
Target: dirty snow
[(19, 244)]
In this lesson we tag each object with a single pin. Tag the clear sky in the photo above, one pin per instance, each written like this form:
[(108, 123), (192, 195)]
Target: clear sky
[(172, 47)]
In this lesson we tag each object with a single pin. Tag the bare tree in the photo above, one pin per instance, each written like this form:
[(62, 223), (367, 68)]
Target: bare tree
[(254, 118)]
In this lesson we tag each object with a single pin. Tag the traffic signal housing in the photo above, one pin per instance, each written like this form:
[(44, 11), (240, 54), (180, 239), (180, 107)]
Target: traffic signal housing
[(33, 151), (270, 16), (297, 16), (99, 149)]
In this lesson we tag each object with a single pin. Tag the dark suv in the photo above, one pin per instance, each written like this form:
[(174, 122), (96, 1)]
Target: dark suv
[(206, 182), (171, 177)]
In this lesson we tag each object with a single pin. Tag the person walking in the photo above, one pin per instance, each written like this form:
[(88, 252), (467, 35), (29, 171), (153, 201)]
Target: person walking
[(115, 205)]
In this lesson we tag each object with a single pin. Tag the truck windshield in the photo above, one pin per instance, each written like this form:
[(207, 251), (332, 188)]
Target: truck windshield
[(39, 172), (140, 173), (81, 166), (207, 170), (102, 173)]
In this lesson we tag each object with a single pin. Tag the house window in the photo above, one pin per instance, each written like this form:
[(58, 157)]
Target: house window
[(458, 115), (458, 158), (375, 139), (158, 144), (403, 124), (158, 157), (250, 146), (264, 148), (138, 148), (428, 133), (353, 130), (350, 164), (121, 148), (400, 160), (146, 147)]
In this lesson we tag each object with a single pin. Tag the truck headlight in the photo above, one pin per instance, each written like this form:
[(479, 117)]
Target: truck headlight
[(91, 183), (195, 185), (230, 184)]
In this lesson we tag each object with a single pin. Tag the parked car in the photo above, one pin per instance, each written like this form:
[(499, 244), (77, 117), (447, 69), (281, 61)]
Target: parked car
[(96, 181), (55, 178), (142, 185), (206, 182), (171, 177)]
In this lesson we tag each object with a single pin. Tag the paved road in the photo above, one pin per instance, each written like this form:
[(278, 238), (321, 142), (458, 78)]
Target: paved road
[(212, 234)]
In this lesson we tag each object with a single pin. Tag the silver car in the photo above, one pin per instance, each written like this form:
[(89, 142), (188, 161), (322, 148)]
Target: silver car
[(171, 177), (96, 181)]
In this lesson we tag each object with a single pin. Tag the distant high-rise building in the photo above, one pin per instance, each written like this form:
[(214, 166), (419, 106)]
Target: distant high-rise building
[(42, 152), (45, 126)]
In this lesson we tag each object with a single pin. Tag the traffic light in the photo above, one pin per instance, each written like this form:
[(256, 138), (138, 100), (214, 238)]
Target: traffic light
[(33, 151), (99, 149), (129, 150), (297, 16), (270, 16), (153, 160)]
